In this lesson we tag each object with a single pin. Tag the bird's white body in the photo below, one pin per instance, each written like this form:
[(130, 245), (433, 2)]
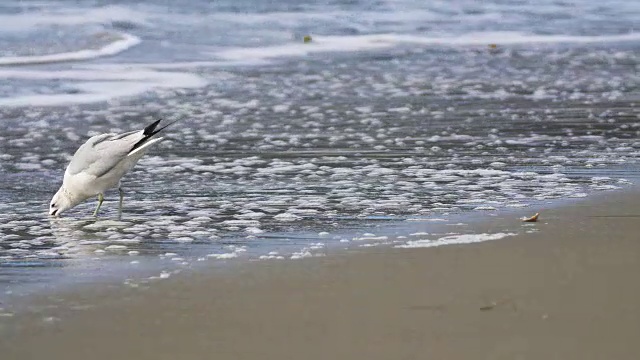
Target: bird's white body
[(88, 185), (99, 164)]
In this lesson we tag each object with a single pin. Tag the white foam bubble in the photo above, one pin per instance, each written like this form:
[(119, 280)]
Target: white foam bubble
[(247, 223), (116, 248), (485, 207), (304, 253), (455, 239), (286, 217), (223, 256)]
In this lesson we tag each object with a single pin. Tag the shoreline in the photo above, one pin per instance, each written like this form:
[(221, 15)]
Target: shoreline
[(345, 240), (567, 290)]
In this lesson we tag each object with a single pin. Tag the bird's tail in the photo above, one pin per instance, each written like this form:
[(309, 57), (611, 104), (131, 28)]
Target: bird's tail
[(148, 134)]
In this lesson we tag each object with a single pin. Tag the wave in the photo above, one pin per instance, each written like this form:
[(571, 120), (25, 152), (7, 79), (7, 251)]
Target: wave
[(380, 41), (124, 42), (98, 83), (50, 15), (93, 84), (511, 38)]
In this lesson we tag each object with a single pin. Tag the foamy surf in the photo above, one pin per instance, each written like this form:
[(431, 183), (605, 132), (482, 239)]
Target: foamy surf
[(123, 42), (327, 44)]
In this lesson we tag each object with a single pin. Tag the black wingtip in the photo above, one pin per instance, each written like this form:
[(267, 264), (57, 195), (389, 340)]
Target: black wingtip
[(148, 131)]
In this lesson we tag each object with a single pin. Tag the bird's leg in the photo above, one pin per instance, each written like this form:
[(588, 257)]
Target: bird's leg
[(120, 205), (100, 200)]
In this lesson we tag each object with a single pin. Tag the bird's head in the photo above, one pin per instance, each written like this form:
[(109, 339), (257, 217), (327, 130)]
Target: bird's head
[(60, 203)]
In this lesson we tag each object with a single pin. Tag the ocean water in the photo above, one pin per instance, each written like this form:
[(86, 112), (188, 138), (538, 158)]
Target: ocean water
[(396, 112)]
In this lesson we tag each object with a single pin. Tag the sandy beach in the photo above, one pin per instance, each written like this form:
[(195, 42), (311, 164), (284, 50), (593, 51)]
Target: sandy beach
[(566, 291)]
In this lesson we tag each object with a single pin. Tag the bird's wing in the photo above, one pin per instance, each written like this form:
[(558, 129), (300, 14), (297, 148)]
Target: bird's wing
[(102, 153)]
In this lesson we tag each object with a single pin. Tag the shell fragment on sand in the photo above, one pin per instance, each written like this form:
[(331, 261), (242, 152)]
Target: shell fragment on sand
[(533, 218)]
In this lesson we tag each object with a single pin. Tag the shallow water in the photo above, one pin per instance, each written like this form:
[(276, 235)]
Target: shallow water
[(299, 149)]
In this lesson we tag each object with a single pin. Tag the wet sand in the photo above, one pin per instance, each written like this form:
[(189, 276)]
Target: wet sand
[(567, 291)]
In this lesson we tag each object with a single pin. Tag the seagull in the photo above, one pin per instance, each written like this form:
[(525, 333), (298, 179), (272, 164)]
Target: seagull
[(99, 164)]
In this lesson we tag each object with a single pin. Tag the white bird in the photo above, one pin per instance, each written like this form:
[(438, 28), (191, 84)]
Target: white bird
[(99, 164)]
